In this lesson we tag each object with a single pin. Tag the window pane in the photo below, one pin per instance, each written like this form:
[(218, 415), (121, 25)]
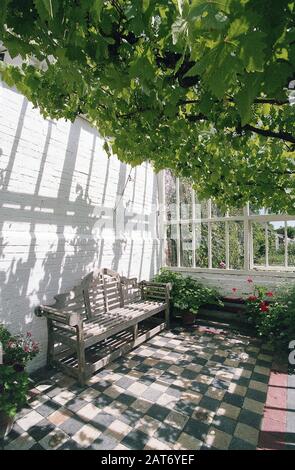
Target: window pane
[(170, 195), (216, 211), (201, 235), (258, 236), (291, 243), (201, 208), (276, 243), (185, 197), (171, 245), (236, 211), (236, 245), (218, 244), (186, 245), (257, 211)]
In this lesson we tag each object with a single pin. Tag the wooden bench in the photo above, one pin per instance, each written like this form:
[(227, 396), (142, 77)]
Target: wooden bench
[(103, 317)]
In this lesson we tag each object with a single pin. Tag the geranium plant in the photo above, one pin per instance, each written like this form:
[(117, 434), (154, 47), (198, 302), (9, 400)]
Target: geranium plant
[(272, 313), (17, 351)]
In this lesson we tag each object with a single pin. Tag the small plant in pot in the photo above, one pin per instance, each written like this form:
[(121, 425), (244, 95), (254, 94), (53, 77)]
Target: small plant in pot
[(187, 295), (16, 352), (191, 296)]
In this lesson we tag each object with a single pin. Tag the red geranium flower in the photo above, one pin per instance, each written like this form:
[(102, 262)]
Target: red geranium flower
[(269, 294), (234, 289), (249, 280), (264, 307), (252, 298)]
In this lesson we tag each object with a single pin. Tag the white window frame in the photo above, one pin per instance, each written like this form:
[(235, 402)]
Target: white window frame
[(247, 218)]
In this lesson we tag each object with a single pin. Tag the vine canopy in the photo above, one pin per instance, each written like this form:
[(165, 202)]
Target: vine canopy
[(204, 88)]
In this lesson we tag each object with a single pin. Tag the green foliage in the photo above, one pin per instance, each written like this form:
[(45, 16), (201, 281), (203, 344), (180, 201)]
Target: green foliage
[(273, 315), (187, 294), (290, 231), (199, 87), (14, 382)]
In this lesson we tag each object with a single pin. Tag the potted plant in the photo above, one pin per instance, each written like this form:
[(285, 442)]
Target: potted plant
[(187, 295), (15, 353), (191, 295)]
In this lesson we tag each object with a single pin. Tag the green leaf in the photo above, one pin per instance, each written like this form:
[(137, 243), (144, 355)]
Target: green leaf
[(44, 8), (252, 51), (179, 29), (107, 148), (237, 28), (3, 12), (145, 5), (218, 68), (203, 7), (96, 9), (48, 6), (246, 96)]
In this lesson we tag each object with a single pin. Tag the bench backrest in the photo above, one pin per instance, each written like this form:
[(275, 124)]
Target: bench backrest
[(104, 289), (99, 293)]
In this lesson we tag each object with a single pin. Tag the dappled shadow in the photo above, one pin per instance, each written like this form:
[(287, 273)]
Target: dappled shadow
[(62, 217)]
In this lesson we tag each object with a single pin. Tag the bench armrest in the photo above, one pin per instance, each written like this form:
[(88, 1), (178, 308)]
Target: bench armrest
[(155, 290), (129, 281), (67, 318)]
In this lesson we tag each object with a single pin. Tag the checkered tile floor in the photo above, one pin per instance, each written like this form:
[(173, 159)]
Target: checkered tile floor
[(199, 389)]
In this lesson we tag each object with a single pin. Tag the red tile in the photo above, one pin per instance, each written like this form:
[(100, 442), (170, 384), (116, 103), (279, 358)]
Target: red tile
[(275, 414), (276, 397), (271, 425), (278, 379)]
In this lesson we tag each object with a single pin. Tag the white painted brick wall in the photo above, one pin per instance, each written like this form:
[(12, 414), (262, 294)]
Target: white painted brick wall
[(58, 191)]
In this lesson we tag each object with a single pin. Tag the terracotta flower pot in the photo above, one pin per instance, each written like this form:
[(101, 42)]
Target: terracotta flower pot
[(6, 423), (188, 318)]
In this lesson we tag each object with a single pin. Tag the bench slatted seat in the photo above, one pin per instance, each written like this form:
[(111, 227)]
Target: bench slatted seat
[(104, 312)]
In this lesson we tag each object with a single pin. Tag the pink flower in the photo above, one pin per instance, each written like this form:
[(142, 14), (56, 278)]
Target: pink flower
[(269, 294), (29, 334), (222, 265), (249, 280)]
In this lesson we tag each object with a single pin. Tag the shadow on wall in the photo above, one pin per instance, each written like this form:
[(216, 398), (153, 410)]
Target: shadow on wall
[(57, 219)]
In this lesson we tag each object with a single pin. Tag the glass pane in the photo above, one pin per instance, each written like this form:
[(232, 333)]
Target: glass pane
[(201, 208), (186, 245), (218, 245), (258, 234), (201, 235), (171, 245), (236, 245), (276, 243), (216, 211), (291, 242), (185, 198), (257, 210), (236, 211), (170, 195)]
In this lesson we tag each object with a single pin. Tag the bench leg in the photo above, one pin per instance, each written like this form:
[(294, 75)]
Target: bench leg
[(81, 355), (135, 332), (50, 346), (167, 318)]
